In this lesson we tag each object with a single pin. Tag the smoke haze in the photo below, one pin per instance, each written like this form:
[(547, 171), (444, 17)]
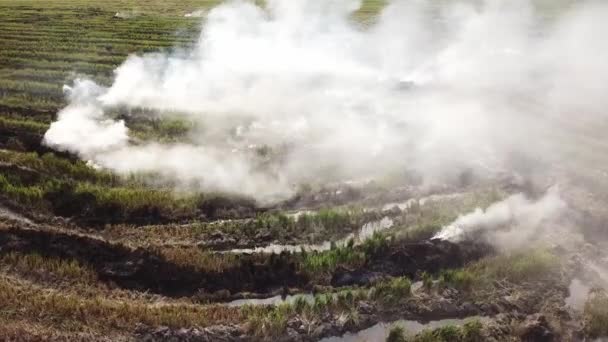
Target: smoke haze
[(511, 223), (430, 86)]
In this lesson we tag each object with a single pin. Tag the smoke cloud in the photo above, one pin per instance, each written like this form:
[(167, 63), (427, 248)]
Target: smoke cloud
[(511, 223), (431, 86)]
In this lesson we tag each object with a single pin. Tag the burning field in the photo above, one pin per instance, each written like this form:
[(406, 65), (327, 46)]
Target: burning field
[(303, 170)]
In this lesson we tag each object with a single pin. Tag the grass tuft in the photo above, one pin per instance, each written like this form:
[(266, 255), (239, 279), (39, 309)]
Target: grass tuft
[(394, 290), (596, 315)]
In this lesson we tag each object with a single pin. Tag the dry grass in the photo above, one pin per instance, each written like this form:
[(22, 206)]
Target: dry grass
[(74, 313), (199, 260), (596, 315), (38, 267), (157, 234), (27, 330)]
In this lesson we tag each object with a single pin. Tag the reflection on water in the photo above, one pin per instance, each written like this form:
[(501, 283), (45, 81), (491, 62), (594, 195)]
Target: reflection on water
[(416, 286), (366, 231), (380, 331), (277, 249)]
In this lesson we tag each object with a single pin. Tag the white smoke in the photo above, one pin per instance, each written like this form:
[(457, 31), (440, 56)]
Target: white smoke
[(195, 14), (431, 85), (82, 126), (515, 218)]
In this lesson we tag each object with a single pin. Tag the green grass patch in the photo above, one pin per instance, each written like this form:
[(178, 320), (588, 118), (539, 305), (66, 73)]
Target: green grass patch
[(392, 291), (27, 195), (517, 267), (469, 332), (165, 130), (58, 168), (396, 334), (22, 125), (318, 263)]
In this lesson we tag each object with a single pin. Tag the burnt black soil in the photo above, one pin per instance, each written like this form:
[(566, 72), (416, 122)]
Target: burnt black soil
[(147, 271), (144, 270), (410, 259)]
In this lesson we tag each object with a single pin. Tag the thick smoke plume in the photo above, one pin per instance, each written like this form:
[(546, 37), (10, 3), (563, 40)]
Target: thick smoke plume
[(511, 222), (432, 86)]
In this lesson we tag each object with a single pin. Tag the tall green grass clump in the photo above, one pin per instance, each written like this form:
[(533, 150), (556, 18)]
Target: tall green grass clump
[(330, 220), (268, 322), (472, 331), (328, 261), (376, 245), (462, 279), (27, 195), (394, 290), (396, 334), (517, 267), (469, 332)]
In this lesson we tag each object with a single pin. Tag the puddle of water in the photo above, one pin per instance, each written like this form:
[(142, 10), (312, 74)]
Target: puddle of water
[(380, 331), (416, 286), (366, 232), (272, 300), (421, 201), (579, 292), (277, 249)]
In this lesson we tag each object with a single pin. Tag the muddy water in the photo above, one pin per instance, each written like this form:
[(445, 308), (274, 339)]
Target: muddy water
[(380, 331)]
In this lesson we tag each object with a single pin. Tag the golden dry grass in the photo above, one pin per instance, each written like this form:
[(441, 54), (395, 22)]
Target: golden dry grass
[(68, 310)]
